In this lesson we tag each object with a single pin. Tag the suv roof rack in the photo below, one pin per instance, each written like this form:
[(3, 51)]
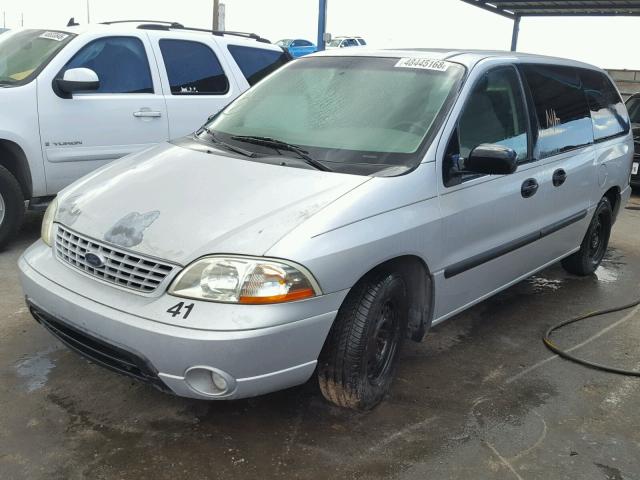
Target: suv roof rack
[(163, 25)]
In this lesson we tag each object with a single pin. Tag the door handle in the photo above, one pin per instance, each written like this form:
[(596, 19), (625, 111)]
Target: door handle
[(147, 114), (559, 177), (529, 188)]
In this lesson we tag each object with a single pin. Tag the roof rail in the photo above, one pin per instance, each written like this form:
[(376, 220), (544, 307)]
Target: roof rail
[(153, 22), (162, 25)]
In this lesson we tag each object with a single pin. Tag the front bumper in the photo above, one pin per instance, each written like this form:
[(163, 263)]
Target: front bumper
[(259, 360)]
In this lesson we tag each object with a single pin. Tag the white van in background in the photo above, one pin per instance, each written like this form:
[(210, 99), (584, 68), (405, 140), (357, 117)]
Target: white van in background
[(76, 98)]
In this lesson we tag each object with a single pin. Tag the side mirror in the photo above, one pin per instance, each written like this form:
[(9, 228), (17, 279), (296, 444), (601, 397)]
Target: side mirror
[(492, 159), (78, 80)]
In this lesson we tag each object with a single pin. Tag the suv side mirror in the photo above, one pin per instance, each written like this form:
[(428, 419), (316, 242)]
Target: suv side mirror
[(78, 80), (492, 159)]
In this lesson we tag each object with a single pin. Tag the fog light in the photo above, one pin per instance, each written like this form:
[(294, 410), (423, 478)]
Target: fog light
[(219, 381), (210, 381)]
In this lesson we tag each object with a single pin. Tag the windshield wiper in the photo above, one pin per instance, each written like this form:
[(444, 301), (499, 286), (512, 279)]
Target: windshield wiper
[(280, 145), (226, 146)]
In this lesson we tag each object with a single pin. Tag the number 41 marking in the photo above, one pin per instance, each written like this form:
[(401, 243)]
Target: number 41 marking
[(177, 310)]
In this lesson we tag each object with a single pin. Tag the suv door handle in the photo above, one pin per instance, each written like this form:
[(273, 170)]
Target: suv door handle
[(559, 177), (529, 188), (147, 114)]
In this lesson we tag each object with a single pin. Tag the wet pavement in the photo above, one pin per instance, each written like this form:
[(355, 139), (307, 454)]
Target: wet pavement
[(481, 398)]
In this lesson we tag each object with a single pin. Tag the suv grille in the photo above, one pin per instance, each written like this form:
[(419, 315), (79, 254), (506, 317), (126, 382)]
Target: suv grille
[(120, 268)]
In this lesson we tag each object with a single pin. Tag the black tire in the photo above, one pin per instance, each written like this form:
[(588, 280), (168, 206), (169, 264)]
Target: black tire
[(11, 207), (594, 245), (358, 361)]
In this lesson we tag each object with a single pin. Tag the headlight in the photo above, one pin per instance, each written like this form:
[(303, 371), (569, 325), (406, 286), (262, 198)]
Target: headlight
[(244, 280), (47, 222)]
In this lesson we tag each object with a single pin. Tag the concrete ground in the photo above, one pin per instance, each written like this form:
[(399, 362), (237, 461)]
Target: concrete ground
[(480, 398)]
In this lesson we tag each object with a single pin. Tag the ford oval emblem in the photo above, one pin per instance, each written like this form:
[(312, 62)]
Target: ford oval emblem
[(93, 260)]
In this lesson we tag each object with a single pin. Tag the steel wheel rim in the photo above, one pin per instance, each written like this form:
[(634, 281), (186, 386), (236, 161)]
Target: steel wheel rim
[(2, 209), (383, 343)]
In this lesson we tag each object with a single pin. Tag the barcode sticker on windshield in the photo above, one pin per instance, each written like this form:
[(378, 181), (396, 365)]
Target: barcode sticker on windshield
[(423, 63), (57, 36)]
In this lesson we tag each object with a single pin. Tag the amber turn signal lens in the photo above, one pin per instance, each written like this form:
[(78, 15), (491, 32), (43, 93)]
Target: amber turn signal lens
[(289, 297)]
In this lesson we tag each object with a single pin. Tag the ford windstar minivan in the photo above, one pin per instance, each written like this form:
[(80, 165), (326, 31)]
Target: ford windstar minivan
[(348, 201)]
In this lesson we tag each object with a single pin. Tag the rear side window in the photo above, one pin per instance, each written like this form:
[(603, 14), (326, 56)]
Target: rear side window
[(561, 109), (361, 41), (120, 62), (608, 113), (257, 63), (193, 68)]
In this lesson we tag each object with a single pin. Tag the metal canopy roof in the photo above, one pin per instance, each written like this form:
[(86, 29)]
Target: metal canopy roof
[(516, 9), (571, 8)]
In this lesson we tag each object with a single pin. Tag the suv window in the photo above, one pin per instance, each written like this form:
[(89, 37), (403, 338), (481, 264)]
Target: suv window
[(120, 62), (193, 68), (257, 63), (608, 113), (494, 113), (633, 105), (561, 109), (361, 41)]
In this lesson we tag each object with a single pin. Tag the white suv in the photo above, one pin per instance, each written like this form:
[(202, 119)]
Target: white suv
[(76, 98)]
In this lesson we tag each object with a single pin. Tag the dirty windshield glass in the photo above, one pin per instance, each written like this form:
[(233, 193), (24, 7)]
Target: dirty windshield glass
[(24, 53), (354, 114)]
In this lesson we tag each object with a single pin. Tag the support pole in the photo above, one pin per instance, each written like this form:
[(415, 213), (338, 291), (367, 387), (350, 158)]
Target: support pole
[(322, 23), (215, 24), (514, 35)]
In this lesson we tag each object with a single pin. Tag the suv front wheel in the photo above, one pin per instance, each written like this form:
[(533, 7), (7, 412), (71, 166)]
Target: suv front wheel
[(358, 361), (11, 206)]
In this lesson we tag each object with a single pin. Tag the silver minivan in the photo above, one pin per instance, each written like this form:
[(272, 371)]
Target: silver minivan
[(348, 201)]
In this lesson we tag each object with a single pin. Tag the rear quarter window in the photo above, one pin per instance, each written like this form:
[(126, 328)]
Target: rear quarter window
[(564, 121), (608, 113), (257, 63)]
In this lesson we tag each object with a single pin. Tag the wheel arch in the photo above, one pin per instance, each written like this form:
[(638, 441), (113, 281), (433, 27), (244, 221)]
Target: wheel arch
[(13, 158), (420, 286), (614, 196)]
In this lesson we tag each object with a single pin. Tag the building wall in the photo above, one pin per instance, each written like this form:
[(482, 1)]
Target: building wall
[(628, 81)]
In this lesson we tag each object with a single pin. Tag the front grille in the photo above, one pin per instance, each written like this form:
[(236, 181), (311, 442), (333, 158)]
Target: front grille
[(121, 268), (98, 351)]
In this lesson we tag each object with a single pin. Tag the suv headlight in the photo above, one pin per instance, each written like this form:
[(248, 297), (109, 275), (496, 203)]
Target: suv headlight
[(251, 281), (47, 222)]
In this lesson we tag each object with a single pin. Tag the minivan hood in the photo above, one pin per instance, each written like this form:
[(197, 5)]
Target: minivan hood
[(178, 204)]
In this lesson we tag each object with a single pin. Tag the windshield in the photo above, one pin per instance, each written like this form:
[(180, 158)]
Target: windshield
[(284, 43), (633, 105), (24, 53), (335, 43), (356, 114)]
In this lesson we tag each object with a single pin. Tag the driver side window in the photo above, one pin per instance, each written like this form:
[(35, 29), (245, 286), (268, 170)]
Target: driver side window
[(120, 63), (494, 113)]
